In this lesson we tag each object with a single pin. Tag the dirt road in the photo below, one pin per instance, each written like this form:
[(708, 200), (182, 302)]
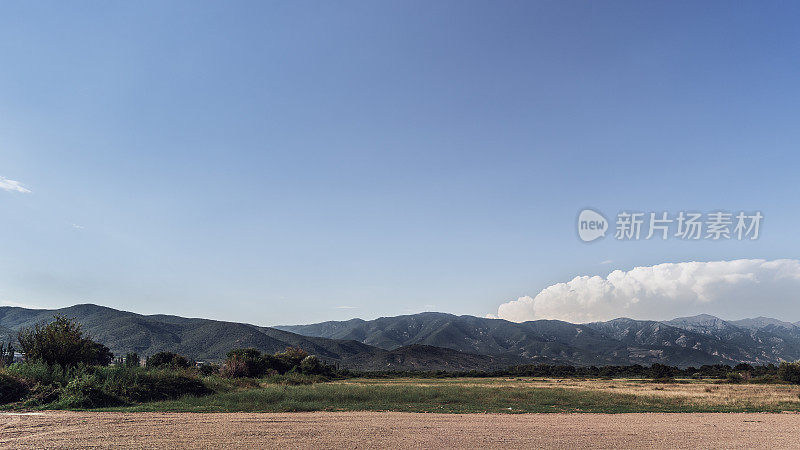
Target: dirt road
[(370, 429)]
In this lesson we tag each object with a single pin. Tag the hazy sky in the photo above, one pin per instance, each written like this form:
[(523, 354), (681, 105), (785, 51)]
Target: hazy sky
[(291, 162)]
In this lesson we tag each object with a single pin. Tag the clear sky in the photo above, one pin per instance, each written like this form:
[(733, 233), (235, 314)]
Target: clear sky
[(293, 162)]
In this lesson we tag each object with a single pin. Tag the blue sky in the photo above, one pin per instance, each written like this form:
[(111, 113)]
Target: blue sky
[(292, 162)]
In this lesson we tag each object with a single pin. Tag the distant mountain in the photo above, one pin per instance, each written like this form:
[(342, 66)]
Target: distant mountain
[(764, 322), (687, 341), (439, 341), (702, 323), (760, 340), (548, 339)]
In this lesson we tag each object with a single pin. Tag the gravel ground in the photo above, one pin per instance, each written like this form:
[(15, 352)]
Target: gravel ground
[(61, 429)]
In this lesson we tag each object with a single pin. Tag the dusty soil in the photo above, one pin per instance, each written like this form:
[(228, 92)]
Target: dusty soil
[(390, 429)]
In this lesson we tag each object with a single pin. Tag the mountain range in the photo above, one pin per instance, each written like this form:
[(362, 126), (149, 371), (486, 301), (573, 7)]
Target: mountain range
[(686, 341), (439, 341)]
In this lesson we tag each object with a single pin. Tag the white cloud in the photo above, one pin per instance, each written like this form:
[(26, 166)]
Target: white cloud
[(607, 261), (731, 289), (346, 307), (13, 186)]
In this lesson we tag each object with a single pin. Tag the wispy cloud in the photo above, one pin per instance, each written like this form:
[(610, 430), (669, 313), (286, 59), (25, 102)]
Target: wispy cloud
[(346, 307), (13, 186), (607, 261), (78, 227)]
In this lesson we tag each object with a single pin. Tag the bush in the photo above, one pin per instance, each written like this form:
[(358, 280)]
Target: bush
[(238, 367), (41, 395), (245, 363), (167, 359), (310, 365), (62, 342), (734, 377), (94, 387), (12, 388), (209, 369), (114, 386), (39, 372), (250, 363), (135, 385), (790, 372), (86, 392)]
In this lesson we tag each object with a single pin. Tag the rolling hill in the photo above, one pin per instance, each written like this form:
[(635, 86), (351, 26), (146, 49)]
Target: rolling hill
[(204, 339), (439, 341)]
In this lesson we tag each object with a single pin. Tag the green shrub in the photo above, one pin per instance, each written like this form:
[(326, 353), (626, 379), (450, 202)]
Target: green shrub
[(86, 392), (39, 372), (12, 388), (208, 369), (41, 395), (135, 385), (734, 377), (113, 386), (96, 387), (790, 372)]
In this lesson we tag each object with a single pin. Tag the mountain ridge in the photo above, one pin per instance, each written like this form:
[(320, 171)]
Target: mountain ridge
[(440, 341)]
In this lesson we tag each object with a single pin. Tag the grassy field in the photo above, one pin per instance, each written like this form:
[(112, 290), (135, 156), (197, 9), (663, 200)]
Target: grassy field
[(507, 395)]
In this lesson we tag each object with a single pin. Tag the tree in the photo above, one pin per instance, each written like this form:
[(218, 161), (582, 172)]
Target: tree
[(292, 357), (168, 359), (245, 362), (311, 365), (790, 372), (6, 354), (62, 343), (660, 371), (132, 360)]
